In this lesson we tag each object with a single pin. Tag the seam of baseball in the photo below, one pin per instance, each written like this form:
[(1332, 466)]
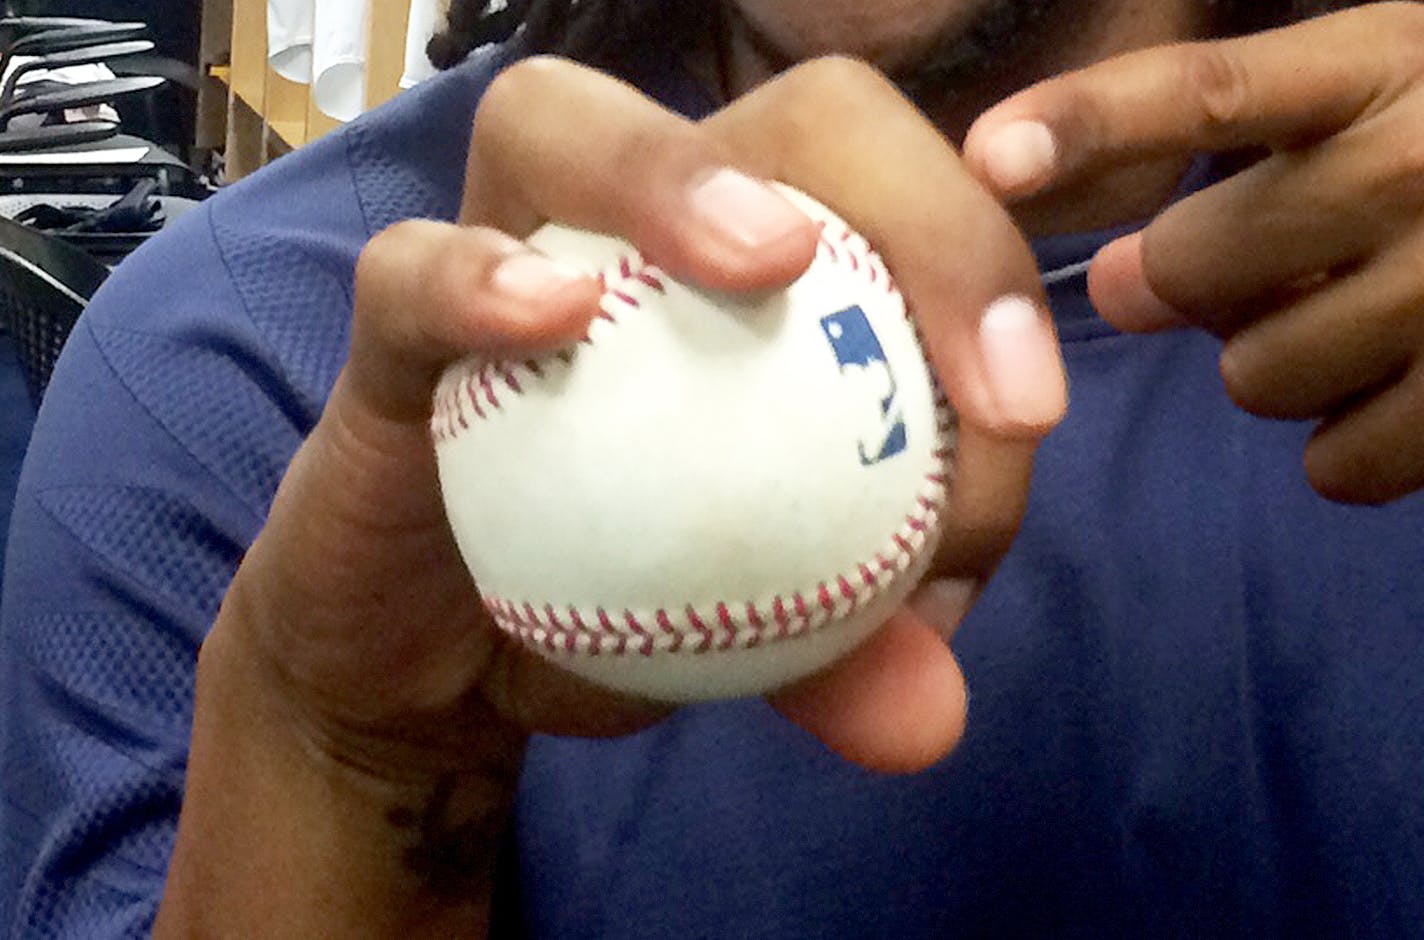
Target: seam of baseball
[(720, 626), (485, 385)]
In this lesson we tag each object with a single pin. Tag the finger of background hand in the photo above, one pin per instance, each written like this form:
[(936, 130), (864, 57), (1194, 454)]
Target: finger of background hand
[(1216, 258), (428, 293), (1350, 336), (828, 127), (1280, 88), (1362, 457), (896, 705), (555, 140)]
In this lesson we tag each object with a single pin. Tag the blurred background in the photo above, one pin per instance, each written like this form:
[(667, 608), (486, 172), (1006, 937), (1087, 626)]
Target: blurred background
[(117, 116)]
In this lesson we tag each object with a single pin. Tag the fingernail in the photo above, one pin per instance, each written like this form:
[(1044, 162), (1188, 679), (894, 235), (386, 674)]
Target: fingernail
[(942, 603), (1024, 371), (1118, 287), (527, 276), (1020, 157), (747, 213)]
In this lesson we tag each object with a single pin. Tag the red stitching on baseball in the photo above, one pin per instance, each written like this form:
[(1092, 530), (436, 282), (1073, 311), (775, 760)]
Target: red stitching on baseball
[(472, 395), (697, 624), (511, 380), (583, 630), (665, 624), (782, 616), (729, 627), (487, 385), (847, 591), (631, 270), (758, 625), (639, 630)]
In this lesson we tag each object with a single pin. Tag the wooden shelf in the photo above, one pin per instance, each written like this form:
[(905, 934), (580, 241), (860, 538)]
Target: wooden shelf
[(268, 115)]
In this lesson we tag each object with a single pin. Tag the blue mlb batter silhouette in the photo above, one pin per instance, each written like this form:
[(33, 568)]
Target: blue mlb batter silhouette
[(860, 355)]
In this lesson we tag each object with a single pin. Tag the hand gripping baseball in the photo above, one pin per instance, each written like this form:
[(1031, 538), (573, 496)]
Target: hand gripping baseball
[(684, 194), (823, 127), (353, 670)]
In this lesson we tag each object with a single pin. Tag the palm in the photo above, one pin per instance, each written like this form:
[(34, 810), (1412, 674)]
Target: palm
[(391, 633)]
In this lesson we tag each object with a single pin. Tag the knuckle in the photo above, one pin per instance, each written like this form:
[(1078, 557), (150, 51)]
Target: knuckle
[(386, 250), (517, 83), (515, 91), (1258, 380), (1403, 21), (1238, 370), (820, 96), (1327, 477), (1359, 457), (1397, 181), (1352, 471), (837, 83), (413, 265), (1219, 83), (663, 150)]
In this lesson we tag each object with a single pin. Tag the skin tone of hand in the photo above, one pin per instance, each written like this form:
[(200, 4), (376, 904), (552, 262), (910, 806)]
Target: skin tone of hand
[(359, 722), (1309, 264)]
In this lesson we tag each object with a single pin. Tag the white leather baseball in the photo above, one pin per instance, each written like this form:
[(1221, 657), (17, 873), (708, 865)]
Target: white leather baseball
[(712, 495)]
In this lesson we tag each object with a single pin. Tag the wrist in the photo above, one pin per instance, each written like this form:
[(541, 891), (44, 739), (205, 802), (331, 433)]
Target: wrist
[(344, 715), (294, 825)]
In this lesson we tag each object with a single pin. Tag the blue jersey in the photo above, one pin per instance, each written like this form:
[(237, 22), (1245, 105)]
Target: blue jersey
[(1196, 687)]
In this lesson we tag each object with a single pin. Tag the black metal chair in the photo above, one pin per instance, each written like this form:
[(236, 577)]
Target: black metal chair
[(44, 286), (58, 41), (100, 190), (40, 35)]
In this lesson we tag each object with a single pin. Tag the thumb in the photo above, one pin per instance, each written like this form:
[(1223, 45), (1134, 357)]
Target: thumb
[(897, 704)]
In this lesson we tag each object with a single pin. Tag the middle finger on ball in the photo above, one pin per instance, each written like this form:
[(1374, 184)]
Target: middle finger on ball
[(830, 126)]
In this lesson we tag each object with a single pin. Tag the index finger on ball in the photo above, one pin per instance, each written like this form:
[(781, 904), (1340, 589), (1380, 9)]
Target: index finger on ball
[(829, 127), (428, 293), (554, 140)]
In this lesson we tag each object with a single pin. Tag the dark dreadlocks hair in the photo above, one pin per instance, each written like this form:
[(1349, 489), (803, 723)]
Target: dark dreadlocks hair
[(603, 33), (596, 32)]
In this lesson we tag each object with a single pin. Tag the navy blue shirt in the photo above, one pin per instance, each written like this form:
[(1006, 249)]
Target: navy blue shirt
[(1196, 687)]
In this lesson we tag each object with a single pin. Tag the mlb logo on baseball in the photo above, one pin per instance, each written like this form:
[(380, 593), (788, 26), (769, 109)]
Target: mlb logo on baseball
[(863, 363)]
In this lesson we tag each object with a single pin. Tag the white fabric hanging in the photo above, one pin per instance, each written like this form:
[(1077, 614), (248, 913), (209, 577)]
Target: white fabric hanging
[(425, 18), (339, 57), (289, 38)]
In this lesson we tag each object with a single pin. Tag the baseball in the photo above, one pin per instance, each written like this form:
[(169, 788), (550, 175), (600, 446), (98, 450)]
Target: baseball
[(710, 496)]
